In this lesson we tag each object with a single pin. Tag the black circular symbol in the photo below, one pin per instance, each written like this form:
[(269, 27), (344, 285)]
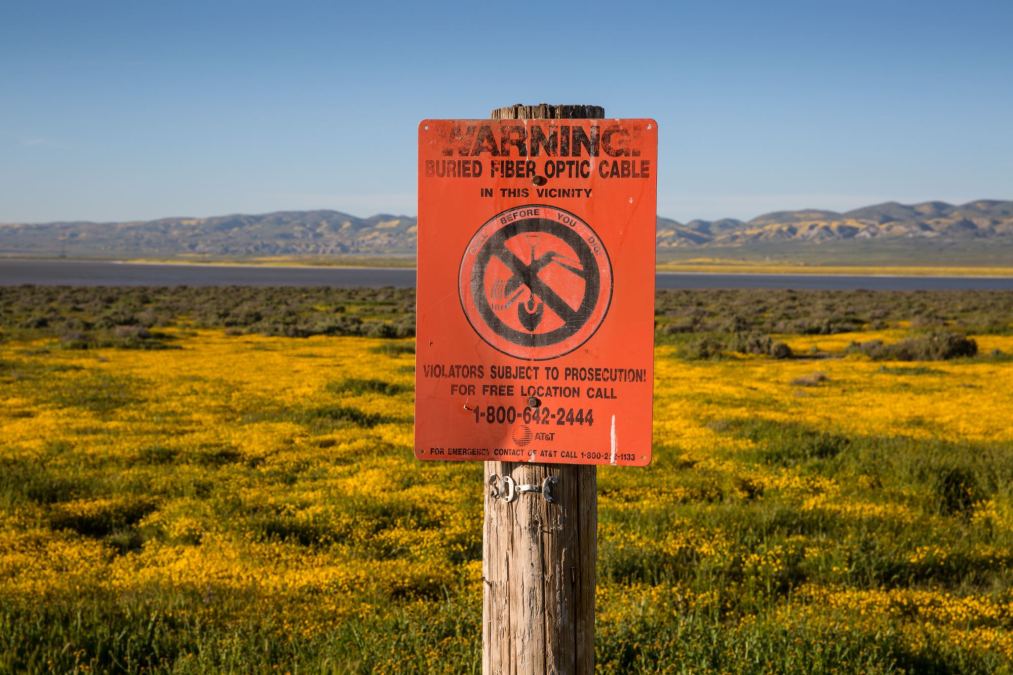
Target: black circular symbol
[(536, 287)]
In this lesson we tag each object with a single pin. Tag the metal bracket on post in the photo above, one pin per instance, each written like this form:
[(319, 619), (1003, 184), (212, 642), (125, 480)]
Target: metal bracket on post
[(507, 489)]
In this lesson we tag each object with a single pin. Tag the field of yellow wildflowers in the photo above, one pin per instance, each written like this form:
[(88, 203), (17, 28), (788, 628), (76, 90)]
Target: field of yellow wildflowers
[(238, 501)]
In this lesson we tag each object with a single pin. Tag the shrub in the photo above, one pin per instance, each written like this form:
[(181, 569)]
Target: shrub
[(752, 343), (780, 350), (936, 346), (711, 346), (706, 347)]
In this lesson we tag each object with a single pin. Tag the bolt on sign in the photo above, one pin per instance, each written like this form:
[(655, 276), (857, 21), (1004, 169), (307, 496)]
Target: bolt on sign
[(535, 328)]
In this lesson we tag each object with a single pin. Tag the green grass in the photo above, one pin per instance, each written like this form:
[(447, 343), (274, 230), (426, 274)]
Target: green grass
[(654, 522)]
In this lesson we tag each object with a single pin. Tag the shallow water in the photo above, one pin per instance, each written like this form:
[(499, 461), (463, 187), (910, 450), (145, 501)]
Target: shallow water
[(100, 273)]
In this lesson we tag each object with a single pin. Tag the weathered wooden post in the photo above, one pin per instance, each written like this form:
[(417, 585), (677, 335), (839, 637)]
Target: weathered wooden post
[(534, 350), (538, 557)]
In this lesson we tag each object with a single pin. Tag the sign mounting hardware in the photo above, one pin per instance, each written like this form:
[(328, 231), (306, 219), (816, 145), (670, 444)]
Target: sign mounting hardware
[(505, 488)]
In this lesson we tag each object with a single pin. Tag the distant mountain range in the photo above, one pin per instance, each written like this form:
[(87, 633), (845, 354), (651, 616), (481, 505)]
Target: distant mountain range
[(332, 233), (981, 219), (283, 233)]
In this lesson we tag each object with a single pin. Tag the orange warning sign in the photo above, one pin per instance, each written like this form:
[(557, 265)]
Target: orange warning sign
[(536, 290)]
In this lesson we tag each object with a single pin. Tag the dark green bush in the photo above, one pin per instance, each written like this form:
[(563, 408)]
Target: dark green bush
[(780, 350), (88, 316), (936, 346), (704, 347), (713, 346)]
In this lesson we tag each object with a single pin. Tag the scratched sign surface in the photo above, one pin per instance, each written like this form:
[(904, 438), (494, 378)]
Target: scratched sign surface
[(536, 290)]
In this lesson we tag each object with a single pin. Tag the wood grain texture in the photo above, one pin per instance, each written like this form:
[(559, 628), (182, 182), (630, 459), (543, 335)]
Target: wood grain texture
[(543, 111), (538, 558), (539, 568)]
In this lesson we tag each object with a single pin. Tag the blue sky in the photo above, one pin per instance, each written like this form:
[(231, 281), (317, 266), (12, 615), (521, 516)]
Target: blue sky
[(143, 109)]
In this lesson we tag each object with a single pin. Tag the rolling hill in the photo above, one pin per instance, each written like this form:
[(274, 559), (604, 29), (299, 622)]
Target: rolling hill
[(323, 233), (983, 219)]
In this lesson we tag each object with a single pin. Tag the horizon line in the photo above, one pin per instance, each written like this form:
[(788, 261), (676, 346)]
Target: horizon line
[(404, 215)]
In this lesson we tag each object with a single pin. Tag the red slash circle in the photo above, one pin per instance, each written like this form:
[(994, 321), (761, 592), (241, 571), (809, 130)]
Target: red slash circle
[(535, 282)]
